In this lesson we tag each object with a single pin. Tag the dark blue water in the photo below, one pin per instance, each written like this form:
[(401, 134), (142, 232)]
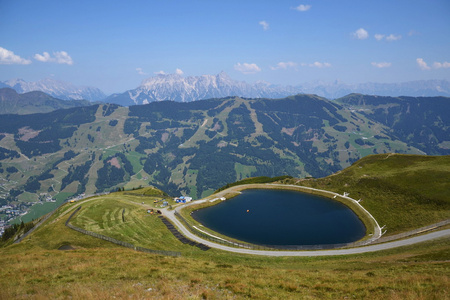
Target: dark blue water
[(282, 217)]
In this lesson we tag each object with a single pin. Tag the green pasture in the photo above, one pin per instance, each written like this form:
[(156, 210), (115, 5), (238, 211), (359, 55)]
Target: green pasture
[(243, 171), (135, 160)]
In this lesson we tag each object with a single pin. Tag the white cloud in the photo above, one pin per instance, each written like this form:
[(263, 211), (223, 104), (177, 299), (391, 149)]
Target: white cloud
[(45, 57), (59, 57), (8, 57), (361, 34), (246, 68), (438, 65), (393, 37), (379, 37), (381, 64), (320, 65), (284, 65), (160, 73), (141, 72), (422, 64), (264, 25), (303, 7), (179, 72), (389, 38), (62, 57)]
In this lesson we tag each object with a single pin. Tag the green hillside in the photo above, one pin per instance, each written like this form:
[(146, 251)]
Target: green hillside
[(185, 148), (401, 191), (421, 121), (93, 268), (33, 102)]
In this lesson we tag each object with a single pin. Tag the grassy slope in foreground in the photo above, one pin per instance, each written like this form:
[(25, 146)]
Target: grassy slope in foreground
[(403, 192), (98, 269)]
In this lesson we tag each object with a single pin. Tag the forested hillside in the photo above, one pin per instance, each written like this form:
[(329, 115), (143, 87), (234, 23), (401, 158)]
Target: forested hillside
[(33, 102), (194, 148), (422, 121)]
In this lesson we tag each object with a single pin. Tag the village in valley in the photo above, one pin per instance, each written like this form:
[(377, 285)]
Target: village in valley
[(12, 211), (8, 213)]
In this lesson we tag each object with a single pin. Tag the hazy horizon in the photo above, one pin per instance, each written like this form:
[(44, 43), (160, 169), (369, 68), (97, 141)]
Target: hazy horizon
[(114, 46)]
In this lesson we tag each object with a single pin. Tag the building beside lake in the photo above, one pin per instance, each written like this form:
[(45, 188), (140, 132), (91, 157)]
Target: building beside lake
[(183, 199)]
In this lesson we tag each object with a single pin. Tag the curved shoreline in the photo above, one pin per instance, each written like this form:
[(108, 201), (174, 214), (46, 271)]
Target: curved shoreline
[(363, 249), (377, 229), (373, 230)]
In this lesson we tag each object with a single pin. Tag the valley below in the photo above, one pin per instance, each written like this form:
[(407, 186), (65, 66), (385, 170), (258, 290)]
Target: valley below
[(194, 148)]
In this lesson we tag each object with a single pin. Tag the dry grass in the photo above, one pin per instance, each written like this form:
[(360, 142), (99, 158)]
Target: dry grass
[(97, 269), (121, 273), (35, 268)]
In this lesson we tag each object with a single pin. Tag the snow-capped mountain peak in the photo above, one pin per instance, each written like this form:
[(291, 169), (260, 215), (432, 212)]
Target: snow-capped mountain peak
[(184, 89), (57, 89)]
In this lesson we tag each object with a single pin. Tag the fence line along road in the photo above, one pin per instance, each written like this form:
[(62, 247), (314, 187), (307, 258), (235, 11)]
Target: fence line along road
[(117, 242)]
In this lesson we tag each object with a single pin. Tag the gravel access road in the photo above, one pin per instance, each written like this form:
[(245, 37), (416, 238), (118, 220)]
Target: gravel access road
[(170, 214), (372, 248)]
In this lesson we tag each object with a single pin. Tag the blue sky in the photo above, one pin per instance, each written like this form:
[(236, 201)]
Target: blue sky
[(114, 45)]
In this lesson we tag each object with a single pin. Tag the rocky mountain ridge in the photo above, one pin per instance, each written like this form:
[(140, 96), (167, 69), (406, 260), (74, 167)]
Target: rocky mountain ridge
[(186, 89), (55, 88), (191, 88)]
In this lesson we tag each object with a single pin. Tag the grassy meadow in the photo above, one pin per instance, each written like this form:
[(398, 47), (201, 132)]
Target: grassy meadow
[(403, 192)]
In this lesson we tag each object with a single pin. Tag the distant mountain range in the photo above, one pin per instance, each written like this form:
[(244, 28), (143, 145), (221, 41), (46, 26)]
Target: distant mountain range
[(418, 88), (186, 89), (33, 102), (55, 88)]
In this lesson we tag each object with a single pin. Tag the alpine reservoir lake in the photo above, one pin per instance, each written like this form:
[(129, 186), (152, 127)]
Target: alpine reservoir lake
[(282, 217)]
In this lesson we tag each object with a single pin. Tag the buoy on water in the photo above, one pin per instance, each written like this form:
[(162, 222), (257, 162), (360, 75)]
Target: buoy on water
[(248, 210)]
